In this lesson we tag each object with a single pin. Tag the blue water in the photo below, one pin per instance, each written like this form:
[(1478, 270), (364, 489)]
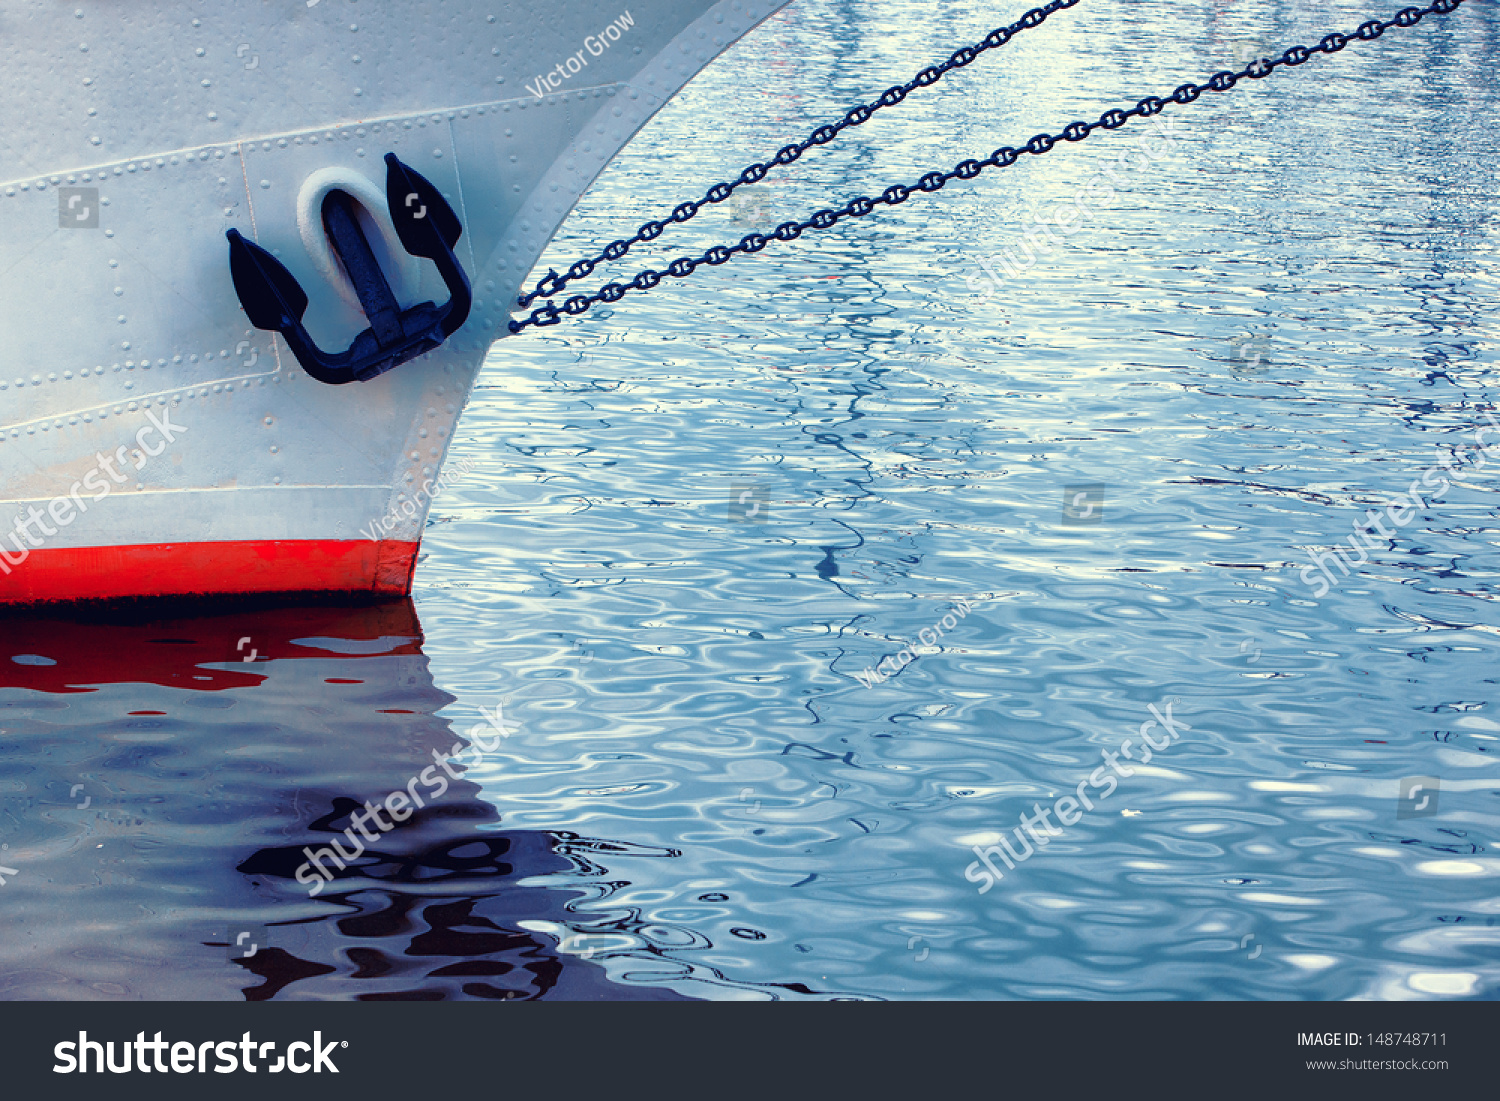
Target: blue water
[(696, 517)]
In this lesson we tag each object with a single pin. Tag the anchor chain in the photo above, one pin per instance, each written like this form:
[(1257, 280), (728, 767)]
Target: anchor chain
[(1003, 157), (553, 283)]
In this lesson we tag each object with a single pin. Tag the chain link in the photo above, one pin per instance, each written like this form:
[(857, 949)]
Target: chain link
[(553, 283), (1003, 157)]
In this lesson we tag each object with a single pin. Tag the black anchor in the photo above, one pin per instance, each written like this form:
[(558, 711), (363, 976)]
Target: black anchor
[(426, 226)]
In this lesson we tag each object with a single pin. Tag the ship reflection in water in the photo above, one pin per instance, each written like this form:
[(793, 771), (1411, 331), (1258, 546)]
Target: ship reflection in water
[(162, 779)]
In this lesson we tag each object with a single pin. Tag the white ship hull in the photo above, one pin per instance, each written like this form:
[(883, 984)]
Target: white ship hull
[(152, 441)]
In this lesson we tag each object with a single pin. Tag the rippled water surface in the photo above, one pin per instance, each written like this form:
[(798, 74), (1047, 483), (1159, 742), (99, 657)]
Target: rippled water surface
[(695, 518)]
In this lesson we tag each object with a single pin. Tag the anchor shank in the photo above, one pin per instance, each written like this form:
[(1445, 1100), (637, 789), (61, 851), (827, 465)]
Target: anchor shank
[(364, 270)]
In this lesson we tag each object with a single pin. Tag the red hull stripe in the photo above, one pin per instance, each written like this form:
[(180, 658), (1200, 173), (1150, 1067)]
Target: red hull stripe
[(210, 569)]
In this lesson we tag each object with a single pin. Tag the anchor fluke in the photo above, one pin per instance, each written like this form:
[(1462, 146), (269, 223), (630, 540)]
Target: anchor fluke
[(424, 221), (427, 227), (270, 294)]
